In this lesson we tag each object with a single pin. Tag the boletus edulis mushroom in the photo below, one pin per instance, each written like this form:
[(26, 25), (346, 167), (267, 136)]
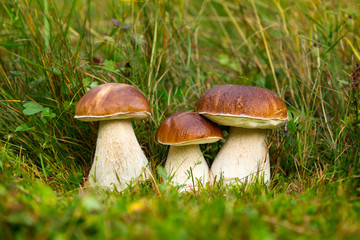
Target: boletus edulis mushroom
[(118, 158), (249, 111), (184, 131)]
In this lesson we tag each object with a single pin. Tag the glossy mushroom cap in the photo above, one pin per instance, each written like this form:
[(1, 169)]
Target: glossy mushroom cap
[(243, 106), (112, 101), (186, 128)]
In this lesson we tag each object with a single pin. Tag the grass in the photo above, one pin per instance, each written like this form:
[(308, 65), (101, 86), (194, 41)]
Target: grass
[(52, 52)]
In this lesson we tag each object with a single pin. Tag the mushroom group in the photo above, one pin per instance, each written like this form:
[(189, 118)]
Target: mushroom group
[(119, 159), (118, 156)]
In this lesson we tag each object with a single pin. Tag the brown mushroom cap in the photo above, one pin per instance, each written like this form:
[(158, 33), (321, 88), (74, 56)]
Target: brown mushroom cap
[(112, 101), (185, 128), (243, 106)]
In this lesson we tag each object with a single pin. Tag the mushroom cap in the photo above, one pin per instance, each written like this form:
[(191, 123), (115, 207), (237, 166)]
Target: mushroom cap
[(186, 128), (112, 101), (243, 106)]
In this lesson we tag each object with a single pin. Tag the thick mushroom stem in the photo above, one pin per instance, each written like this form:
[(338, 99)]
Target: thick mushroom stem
[(118, 156), (187, 165), (244, 156)]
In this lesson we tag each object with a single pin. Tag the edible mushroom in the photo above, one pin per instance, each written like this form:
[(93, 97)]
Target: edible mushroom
[(118, 156), (184, 131), (249, 111)]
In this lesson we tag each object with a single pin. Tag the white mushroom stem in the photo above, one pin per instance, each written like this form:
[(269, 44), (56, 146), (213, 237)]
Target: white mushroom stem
[(244, 156), (187, 165), (119, 158)]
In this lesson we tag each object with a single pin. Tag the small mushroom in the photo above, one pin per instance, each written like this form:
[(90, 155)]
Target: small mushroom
[(118, 156), (249, 111), (184, 131)]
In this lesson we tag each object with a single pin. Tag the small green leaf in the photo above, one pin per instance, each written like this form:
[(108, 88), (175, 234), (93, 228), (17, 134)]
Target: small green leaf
[(344, 82), (56, 71), (87, 81), (75, 177), (94, 84), (161, 171), (89, 84), (24, 127), (109, 65), (91, 204), (46, 112), (32, 108), (163, 187), (224, 59)]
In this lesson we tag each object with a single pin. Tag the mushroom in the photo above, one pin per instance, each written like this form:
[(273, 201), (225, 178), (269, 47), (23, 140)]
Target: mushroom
[(184, 131), (118, 156), (249, 111)]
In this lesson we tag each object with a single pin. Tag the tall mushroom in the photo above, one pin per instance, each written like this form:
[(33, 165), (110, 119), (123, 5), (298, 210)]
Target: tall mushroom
[(118, 155), (249, 111), (184, 131)]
